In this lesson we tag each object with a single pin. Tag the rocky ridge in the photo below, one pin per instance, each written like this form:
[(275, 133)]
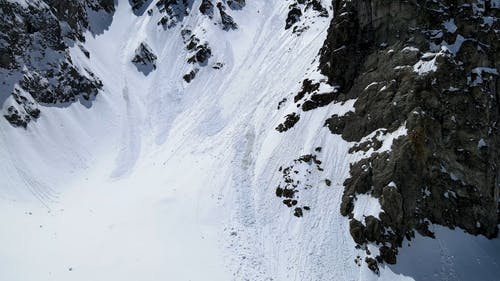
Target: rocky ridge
[(35, 65)]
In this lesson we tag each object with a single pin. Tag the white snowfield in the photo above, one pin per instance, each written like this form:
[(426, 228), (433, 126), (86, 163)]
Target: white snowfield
[(164, 180)]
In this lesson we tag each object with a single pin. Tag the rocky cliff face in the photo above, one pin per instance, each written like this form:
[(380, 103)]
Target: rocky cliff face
[(35, 65), (426, 74)]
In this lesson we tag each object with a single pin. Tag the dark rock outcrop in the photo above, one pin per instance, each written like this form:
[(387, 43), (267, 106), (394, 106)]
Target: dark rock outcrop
[(144, 59), (188, 77), (290, 121), (293, 16), (199, 53), (207, 8), (35, 64), (174, 10), (226, 20), (139, 6), (236, 4)]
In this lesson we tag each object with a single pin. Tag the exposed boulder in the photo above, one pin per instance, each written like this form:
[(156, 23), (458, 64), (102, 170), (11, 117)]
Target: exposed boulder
[(357, 230), (188, 77), (293, 16), (290, 121), (144, 59)]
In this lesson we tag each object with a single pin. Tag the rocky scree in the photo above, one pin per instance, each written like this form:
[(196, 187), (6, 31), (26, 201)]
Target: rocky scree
[(297, 180)]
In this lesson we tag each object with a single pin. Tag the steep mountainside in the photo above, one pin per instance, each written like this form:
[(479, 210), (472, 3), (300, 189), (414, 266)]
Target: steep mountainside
[(430, 68), (249, 140)]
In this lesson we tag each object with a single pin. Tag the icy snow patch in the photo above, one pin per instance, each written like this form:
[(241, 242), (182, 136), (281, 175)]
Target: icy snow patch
[(366, 205), (450, 25), (425, 66)]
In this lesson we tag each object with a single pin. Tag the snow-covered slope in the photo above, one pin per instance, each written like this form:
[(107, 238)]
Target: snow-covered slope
[(161, 179)]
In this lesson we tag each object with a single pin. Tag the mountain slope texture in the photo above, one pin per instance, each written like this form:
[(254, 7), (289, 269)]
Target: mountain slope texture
[(249, 140)]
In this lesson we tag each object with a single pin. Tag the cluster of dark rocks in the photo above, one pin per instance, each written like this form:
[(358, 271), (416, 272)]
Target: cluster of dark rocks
[(174, 12), (311, 97), (199, 53), (207, 8), (35, 65), (290, 186), (308, 98)]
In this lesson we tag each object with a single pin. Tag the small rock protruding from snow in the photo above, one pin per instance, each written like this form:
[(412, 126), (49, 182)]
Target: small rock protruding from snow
[(190, 76), (144, 59)]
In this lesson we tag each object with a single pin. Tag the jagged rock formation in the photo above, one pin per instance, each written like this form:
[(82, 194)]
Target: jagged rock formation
[(199, 53), (424, 73), (144, 59), (226, 20), (303, 9), (290, 120), (35, 65), (207, 8), (175, 11)]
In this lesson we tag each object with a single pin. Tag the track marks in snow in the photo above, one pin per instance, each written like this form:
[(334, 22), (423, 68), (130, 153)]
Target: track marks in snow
[(130, 146), (42, 192)]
